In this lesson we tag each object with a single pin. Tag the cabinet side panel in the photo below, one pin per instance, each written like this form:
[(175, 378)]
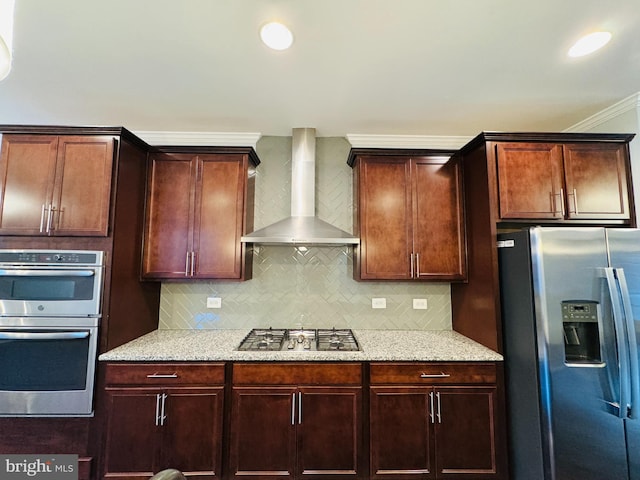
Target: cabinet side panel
[(475, 306), (131, 305)]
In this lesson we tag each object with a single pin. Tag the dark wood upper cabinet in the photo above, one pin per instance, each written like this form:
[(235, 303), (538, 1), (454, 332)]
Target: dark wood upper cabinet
[(199, 204), (514, 180), (409, 215), (563, 181), (55, 185)]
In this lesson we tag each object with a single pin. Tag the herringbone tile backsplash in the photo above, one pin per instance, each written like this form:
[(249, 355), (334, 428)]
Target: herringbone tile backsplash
[(313, 288)]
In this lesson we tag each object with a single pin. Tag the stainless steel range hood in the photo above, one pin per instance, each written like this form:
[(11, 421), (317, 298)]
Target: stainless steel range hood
[(302, 227)]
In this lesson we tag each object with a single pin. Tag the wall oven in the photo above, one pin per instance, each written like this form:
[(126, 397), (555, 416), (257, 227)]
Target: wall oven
[(49, 317)]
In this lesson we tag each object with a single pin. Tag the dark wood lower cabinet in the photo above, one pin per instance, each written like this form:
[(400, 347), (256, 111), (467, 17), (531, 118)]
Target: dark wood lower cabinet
[(303, 430), (424, 426), (162, 417), (311, 420)]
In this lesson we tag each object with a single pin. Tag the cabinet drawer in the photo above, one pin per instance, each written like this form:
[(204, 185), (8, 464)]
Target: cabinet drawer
[(165, 374), (297, 373), (432, 373)]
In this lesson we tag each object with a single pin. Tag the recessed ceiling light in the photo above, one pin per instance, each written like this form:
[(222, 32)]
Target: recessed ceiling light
[(276, 35), (589, 44)]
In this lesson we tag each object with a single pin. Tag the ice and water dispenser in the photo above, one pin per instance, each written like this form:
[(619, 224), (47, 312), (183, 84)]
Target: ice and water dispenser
[(580, 322)]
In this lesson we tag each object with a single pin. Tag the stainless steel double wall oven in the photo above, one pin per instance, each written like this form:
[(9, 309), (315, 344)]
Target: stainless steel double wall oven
[(50, 309)]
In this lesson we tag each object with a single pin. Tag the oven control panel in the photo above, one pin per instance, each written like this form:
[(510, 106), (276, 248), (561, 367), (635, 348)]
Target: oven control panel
[(51, 257)]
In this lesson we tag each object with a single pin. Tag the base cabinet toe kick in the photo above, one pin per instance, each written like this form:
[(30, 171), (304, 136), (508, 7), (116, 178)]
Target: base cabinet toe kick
[(343, 420)]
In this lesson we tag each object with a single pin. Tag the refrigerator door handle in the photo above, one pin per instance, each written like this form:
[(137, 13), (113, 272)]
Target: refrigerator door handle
[(618, 324), (634, 368)]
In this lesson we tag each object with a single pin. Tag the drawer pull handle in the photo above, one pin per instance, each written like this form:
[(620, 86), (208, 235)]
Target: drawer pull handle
[(163, 375), (435, 375)]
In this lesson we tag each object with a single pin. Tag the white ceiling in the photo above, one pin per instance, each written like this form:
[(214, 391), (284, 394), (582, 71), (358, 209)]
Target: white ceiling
[(383, 67)]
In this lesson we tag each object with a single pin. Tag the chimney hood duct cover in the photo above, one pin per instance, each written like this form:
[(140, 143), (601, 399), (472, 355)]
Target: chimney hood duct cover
[(302, 227)]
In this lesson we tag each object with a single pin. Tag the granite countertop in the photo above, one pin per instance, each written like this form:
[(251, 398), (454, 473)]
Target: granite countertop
[(376, 345)]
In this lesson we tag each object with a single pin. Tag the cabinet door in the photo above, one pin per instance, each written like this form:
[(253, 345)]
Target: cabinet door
[(596, 179), (530, 181), (219, 216), (465, 432), (401, 436), (385, 218), (438, 219), (132, 438), (192, 432), (82, 192), (169, 221), (263, 433), (27, 173), (329, 432)]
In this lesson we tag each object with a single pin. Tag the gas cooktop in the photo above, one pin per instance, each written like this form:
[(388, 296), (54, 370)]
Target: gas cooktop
[(291, 339)]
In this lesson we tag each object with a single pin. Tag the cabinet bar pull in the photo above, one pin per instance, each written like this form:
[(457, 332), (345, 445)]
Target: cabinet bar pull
[(411, 260), (186, 265), (299, 408), (293, 409), (162, 375), (163, 416), (157, 409), (432, 408), (42, 218), (435, 375), (417, 265), (49, 217), (562, 201), (193, 263), (575, 200), (439, 414)]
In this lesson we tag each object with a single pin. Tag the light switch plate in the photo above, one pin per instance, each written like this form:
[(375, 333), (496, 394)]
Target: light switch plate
[(214, 302), (378, 303), (419, 303)]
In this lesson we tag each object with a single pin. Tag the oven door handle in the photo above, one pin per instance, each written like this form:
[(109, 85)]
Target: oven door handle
[(42, 335), (59, 272)]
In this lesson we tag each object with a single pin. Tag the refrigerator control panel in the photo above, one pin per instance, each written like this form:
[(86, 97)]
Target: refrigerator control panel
[(580, 310), (581, 331)]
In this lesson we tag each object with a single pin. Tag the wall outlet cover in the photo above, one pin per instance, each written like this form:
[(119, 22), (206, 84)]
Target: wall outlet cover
[(419, 303), (378, 303), (214, 302)]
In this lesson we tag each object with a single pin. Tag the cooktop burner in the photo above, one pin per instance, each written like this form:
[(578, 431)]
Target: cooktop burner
[(274, 339)]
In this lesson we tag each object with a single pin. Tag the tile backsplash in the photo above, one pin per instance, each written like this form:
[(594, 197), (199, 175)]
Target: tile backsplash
[(294, 287)]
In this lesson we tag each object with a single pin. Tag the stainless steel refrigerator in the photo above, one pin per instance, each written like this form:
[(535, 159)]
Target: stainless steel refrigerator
[(571, 322)]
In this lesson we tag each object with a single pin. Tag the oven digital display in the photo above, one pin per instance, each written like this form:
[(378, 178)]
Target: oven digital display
[(44, 289)]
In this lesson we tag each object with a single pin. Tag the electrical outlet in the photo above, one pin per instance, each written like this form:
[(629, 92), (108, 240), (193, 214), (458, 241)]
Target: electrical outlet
[(419, 303), (378, 303), (214, 302)]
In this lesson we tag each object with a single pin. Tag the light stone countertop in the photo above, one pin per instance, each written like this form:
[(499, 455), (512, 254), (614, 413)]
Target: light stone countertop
[(376, 345)]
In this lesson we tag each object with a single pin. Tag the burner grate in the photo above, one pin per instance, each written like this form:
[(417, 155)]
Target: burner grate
[(270, 339), (263, 339), (334, 339)]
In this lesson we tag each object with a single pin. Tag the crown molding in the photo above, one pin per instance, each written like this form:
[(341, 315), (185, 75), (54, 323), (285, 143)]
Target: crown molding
[(218, 139), (632, 102), (407, 141)]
